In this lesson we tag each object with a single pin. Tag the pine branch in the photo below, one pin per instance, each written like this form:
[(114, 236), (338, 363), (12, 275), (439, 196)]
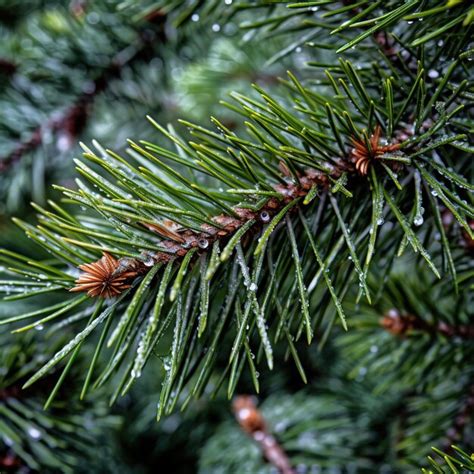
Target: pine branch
[(351, 23), (227, 250), (192, 229), (426, 317), (187, 239), (222, 228)]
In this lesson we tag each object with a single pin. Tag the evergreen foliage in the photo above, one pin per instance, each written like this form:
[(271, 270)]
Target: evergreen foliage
[(331, 208), (460, 460), (57, 440)]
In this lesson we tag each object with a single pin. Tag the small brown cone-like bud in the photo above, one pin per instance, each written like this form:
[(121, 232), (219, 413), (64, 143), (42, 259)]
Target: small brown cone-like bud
[(363, 156), (247, 414), (396, 323), (103, 278)]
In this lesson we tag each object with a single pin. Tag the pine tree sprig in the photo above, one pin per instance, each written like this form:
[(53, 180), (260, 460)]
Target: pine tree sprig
[(306, 167)]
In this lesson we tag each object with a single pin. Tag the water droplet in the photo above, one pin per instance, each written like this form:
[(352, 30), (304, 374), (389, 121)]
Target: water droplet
[(418, 220), (203, 243), (265, 216), (150, 261), (64, 142), (216, 28), (34, 432), (93, 18), (195, 17), (136, 373)]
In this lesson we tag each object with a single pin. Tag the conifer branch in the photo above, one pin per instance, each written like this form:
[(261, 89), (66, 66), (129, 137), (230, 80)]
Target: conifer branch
[(220, 251), (189, 229), (313, 170), (222, 227)]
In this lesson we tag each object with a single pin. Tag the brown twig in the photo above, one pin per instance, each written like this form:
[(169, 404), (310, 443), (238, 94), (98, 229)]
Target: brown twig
[(253, 423), (178, 244), (401, 325)]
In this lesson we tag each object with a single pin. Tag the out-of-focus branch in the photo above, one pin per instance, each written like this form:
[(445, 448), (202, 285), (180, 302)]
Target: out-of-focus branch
[(253, 423), (69, 124), (400, 324)]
